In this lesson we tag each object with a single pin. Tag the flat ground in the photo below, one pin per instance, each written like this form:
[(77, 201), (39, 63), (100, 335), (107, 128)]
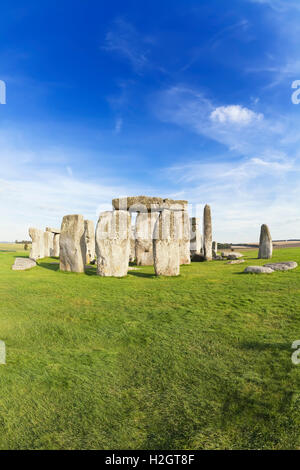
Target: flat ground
[(202, 361)]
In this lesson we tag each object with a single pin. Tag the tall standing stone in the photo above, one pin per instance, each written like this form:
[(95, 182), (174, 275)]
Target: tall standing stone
[(113, 243), (265, 243), (132, 245), (89, 233), (37, 246), (144, 227), (166, 244), (207, 234), (72, 244), (184, 238), (195, 237), (48, 244), (55, 251)]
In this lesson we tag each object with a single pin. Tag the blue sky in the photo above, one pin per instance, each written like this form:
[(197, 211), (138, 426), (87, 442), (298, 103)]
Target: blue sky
[(188, 100)]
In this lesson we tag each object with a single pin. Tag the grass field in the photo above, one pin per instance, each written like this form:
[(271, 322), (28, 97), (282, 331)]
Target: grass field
[(202, 361)]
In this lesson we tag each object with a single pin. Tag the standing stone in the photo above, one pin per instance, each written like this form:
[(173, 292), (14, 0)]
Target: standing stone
[(214, 249), (48, 244), (265, 243), (37, 246), (166, 244), (207, 234), (195, 237), (89, 233), (72, 244), (144, 226), (55, 251), (132, 245), (113, 243), (184, 238)]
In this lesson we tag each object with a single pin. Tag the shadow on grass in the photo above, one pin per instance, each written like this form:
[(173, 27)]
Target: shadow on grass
[(138, 274), (256, 345), (51, 266)]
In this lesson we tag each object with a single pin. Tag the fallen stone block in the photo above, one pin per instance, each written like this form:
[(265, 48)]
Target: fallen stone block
[(21, 264), (258, 270), (282, 266)]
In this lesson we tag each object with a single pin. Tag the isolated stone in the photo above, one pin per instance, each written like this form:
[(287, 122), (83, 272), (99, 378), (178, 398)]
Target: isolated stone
[(55, 251), (146, 204), (89, 234), (37, 246), (166, 244), (113, 243), (236, 261), (48, 244), (265, 243), (72, 244), (21, 264), (184, 237), (144, 227), (258, 270), (195, 237), (207, 233), (282, 266)]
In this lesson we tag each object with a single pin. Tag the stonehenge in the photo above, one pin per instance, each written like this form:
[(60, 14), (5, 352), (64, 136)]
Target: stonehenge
[(166, 244), (207, 233), (265, 243), (113, 243), (132, 245), (89, 233), (72, 244)]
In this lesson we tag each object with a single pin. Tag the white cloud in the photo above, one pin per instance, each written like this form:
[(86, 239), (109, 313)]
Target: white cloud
[(118, 125), (235, 114), (124, 40)]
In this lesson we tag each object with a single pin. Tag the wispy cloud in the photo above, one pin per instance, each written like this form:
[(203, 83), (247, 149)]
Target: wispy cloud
[(125, 40)]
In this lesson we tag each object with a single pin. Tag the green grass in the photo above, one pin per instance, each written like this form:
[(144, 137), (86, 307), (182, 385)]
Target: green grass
[(202, 361)]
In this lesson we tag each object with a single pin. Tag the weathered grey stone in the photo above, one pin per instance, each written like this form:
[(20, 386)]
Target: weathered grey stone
[(37, 246), (21, 264), (265, 243), (89, 234), (132, 245), (236, 261), (184, 237), (55, 251), (207, 233), (195, 237), (234, 255), (48, 244), (214, 249), (166, 244), (282, 266), (72, 244), (52, 230), (146, 204), (258, 270), (144, 227), (113, 243)]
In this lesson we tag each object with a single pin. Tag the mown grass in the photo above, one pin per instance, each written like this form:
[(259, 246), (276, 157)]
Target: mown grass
[(202, 361)]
